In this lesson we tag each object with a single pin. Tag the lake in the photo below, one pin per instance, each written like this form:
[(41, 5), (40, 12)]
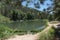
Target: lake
[(26, 25)]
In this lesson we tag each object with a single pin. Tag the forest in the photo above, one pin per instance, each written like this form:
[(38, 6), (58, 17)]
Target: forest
[(15, 11)]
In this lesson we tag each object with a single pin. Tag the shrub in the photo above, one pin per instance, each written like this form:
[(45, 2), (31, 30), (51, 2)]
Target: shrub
[(5, 32), (49, 35)]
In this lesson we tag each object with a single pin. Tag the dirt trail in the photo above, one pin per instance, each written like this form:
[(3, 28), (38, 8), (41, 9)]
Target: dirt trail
[(24, 37), (30, 36)]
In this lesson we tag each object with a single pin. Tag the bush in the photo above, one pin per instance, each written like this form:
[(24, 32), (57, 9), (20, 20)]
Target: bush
[(47, 35), (5, 32), (4, 19)]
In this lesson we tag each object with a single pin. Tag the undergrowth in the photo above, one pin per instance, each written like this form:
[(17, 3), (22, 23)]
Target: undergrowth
[(48, 35)]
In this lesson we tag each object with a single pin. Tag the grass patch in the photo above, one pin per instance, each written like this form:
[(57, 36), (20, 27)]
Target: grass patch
[(4, 19), (5, 32), (49, 35)]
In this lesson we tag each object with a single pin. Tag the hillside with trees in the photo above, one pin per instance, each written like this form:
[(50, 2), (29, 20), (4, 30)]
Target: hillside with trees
[(15, 11)]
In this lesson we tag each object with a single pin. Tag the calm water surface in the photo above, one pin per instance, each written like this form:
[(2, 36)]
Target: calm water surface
[(26, 25)]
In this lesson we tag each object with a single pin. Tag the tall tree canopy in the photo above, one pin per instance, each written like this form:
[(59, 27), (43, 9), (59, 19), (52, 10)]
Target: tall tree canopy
[(6, 7), (57, 9)]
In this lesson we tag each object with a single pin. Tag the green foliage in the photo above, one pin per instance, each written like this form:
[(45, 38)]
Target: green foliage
[(20, 12), (5, 31), (48, 35), (4, 19), (30, 16), (57, 10), (57, 16), (14, 16), (23, 12)]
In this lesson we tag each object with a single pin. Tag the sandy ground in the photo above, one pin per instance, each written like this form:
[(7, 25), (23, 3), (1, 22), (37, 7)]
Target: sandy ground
[(30, 36), (24, 37)]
